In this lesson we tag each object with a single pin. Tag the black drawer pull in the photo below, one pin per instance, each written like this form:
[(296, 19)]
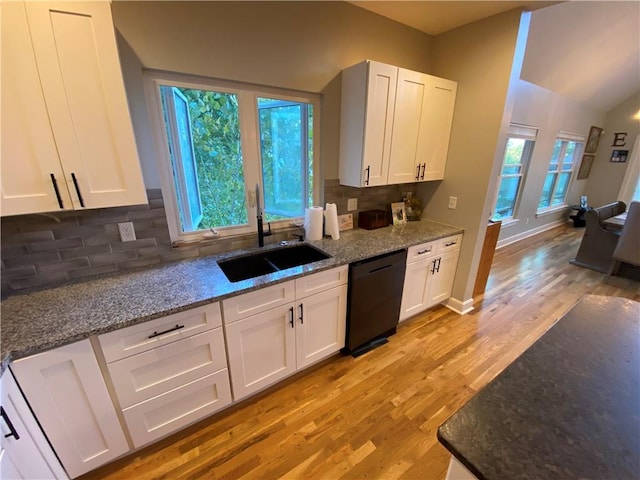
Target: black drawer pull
[(157, 334), (422, 252), (12, 430), (55, 188), (75, 183), (449, 244)]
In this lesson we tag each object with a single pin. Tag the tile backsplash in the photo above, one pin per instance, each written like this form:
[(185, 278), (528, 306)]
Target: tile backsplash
[(46, 250)]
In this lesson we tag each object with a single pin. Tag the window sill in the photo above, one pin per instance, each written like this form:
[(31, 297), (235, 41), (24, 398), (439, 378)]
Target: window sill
[(509, 223), (550, 211)]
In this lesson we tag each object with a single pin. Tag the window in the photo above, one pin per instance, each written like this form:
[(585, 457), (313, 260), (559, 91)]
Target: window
[(217, 140), (566, 151), (517, 155)]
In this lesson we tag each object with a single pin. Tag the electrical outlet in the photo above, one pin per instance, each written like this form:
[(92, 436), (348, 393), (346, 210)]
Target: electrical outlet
[(453, 202), (127, 233), (352, 204)]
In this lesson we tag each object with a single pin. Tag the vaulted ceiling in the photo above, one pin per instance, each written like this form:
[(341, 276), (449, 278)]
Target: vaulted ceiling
[(586, 50)]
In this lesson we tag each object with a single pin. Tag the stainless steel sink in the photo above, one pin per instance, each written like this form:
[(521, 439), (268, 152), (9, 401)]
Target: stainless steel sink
[(270, 261)]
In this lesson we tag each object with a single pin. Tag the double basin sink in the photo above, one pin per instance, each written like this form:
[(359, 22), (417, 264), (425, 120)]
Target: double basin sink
[(270, 261)]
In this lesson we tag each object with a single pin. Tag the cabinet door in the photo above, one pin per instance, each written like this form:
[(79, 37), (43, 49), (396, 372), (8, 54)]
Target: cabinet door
[(29, 155), (26, 452), (381, 92), (320, 328), (433, 145), (417, 278), (68, 396), (442, 281), (77, 58), (261, 349), (406, 160)]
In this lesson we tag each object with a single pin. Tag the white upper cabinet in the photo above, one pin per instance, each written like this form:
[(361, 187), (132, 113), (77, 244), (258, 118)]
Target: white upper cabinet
[(67, 138), (408, 140)]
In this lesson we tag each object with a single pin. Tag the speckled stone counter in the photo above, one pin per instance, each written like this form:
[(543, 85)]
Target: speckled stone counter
[(46, 319), (567, 408)]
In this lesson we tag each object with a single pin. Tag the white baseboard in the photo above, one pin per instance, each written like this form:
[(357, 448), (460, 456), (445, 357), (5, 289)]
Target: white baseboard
[(460, 307), (529, 233)]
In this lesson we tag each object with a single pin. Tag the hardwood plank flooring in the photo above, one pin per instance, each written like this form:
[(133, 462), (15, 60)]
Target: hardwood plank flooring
[(376, 416)]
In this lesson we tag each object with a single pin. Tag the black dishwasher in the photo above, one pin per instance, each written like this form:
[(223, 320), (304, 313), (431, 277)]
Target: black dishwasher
[(373, 304)]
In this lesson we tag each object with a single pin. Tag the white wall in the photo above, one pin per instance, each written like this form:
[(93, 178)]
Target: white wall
[(606, 177), (550, 113)]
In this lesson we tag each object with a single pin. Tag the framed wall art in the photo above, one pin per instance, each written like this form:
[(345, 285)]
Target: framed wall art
[(585, 166), (593, 139), (398, 213), (619, 156)]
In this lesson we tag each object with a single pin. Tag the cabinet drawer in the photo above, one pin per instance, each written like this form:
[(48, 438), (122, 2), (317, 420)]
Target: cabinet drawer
[(157, 371), (424, 250), (145, 336), (164, 414), (321, 281), (257, 301), (450, 243)]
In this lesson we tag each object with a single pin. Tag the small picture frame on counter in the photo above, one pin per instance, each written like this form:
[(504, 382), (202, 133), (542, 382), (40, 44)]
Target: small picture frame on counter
[(398, 213)]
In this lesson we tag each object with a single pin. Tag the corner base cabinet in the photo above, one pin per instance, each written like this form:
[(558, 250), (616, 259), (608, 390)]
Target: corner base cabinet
[(67, 393), (431, 269)]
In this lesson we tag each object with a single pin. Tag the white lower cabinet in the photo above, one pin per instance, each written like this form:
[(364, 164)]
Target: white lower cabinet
[(24, 450), (68, 395), (177, 379), (274, 343), (428, 280)]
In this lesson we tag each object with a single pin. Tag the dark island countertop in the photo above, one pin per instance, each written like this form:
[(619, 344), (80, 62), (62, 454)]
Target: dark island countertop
[(567, 408), (46, 319)]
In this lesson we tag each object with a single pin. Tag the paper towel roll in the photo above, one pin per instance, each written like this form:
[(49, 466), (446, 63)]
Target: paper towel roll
[(313, 223), (331, 221)]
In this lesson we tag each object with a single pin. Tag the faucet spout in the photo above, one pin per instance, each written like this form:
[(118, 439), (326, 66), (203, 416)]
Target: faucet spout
[(261, 232)]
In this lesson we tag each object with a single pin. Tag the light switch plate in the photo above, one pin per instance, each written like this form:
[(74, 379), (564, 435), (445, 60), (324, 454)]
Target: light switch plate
[(352, 204), (453, 202)]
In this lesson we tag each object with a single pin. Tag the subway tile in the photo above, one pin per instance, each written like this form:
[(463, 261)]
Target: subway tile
[(78, 231), (104, 218), (154, 193), (43, 279), (55, 244), (63, 265), (138, 263), (19, 272), (152, 251), (101, 239), (179, 254), (156, 203), (119, 246), (68, 253), (102, 258), (32, 259), (10, 251), (9, 226), (26, 237), (92, 271)]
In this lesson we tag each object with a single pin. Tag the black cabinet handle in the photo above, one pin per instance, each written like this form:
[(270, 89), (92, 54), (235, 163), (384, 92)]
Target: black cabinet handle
[(157, 334), (12, 430), (438, 267), (55, 188), (449, 244), (368, 170), (433, 270), (301, 314), (291, 319), (75, 183), (424, 168), (422, 252), (418, 172)]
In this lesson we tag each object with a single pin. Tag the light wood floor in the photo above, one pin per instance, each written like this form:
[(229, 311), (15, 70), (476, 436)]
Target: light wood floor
[(376, 416)]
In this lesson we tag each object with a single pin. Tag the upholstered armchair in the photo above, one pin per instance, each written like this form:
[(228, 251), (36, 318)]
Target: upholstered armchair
[(598, 243)]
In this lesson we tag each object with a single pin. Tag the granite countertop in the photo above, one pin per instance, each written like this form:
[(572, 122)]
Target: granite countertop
[(567, 408), (46, 319)]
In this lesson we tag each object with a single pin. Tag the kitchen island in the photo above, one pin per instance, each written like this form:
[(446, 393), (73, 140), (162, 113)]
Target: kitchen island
[(567, 408), (51, 318)]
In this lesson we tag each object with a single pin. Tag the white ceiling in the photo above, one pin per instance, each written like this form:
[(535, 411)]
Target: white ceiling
[(585, 50)]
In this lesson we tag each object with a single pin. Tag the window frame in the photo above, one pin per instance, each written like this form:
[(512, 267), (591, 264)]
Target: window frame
[(250, 146), (566, 138), (528, 133)]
